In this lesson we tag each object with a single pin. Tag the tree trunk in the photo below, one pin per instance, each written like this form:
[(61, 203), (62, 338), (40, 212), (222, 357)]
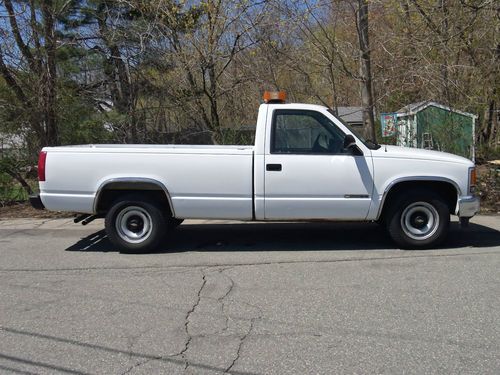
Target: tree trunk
[(22, 181), (52, 134), (493, 122), (365, 71), (214, 110), (119, 76), (445, 67)]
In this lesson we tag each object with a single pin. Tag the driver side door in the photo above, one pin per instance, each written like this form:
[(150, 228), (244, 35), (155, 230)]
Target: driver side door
[(308, 173)]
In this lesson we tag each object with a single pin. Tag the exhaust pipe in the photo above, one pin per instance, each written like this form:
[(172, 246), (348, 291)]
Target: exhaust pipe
[(80, 218), (89, 219)]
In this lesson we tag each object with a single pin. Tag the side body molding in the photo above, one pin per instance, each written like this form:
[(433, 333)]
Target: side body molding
[(415, 178), (133, 183)]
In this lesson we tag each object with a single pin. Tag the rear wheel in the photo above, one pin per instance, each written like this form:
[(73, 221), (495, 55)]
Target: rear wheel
[(418, 219), (135, 224)]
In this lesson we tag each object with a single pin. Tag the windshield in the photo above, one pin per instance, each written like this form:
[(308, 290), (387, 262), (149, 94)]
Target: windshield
[(371, 144)]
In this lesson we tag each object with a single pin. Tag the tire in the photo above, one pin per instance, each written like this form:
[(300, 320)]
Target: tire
[(418, 219), (135, 224)]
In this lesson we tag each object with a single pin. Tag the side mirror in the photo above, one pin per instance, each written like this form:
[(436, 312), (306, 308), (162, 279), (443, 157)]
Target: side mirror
[(349, 141), (350, 145)]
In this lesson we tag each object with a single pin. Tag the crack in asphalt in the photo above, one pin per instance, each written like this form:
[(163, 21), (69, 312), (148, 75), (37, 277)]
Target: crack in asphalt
[(182, 353), (167, 267), (140, 364), (145, 358), (221, 300), (244, 337), (131, 342), (240, 345)]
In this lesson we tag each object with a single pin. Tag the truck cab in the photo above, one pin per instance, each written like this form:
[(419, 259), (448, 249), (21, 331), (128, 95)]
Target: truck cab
[(304, 168)]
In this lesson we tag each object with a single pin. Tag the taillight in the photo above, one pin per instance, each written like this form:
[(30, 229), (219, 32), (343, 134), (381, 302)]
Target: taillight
[(41, 165)]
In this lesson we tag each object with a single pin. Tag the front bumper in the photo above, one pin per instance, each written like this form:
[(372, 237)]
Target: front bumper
[(468, 206), (36, 202)]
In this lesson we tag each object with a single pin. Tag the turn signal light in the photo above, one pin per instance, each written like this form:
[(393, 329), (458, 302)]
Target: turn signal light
[(274, 97), (472, 179)]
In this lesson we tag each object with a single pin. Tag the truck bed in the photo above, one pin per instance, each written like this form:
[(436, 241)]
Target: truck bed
[(202, 181)]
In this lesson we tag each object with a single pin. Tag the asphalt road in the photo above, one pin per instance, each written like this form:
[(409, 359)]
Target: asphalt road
[(306, 298)]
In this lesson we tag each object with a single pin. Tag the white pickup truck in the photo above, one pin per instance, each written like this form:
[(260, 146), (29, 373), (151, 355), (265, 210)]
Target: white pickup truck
[(306, 165)]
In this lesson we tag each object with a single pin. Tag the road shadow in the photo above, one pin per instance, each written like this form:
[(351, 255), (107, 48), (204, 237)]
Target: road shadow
[(48, 367), (290, 237)]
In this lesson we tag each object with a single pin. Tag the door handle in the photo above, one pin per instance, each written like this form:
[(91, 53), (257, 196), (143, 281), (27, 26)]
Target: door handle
[(273, 167)]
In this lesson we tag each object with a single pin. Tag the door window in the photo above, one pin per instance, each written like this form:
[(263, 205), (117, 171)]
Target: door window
[(305, 132)]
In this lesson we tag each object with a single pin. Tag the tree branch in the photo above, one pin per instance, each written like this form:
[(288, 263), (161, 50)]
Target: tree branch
[(34, 65)]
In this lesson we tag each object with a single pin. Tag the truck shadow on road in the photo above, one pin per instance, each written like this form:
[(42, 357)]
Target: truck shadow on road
[(290, 237)]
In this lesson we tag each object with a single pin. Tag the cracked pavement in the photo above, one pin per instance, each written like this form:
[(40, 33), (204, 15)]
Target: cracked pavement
[(227, 297)]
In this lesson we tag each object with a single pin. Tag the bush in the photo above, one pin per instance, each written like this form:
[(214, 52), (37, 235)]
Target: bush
[(487, 153), (16, 179), (489, 187)]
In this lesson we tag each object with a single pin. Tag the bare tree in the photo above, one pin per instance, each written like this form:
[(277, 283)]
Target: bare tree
[(37, 58), (204, 44), (365, 70)]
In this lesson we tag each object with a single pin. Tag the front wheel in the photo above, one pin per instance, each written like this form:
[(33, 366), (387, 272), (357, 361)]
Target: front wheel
[(135, 225), (418, 219)]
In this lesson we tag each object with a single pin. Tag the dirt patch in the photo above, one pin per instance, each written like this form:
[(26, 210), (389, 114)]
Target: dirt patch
[(24, 210), (488, 176)]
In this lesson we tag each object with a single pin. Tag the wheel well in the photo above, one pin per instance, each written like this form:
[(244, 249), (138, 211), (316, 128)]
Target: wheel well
[(113, 191), (445, 189)]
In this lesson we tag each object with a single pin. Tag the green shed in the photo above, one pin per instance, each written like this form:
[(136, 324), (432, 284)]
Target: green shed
[(434, 126)]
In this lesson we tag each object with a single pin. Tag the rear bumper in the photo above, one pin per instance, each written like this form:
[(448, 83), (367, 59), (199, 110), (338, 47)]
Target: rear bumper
[(468, 206), (36, 202)]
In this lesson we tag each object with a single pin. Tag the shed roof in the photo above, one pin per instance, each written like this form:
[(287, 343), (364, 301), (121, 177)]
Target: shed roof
[(351, 114), (413, 108)]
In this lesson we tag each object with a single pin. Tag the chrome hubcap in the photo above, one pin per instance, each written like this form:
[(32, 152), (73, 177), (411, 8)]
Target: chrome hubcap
[(420, 220), (134, 224)]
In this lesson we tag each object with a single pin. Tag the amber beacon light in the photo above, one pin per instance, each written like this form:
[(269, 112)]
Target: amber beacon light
[(274, 97)]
